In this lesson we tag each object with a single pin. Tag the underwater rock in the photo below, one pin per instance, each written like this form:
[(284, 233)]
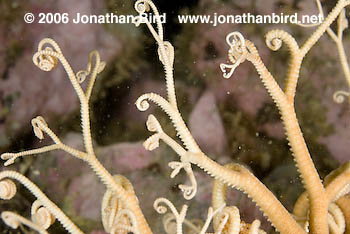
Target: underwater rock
[(206, 125), (25, 90)]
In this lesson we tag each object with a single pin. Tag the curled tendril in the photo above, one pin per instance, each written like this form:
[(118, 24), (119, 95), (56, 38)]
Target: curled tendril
[(142, 104), (162, 209), (152, 142), (99, 66), (235, 39), (47, 58), (37, 128), (339, 96), (47, 62), (236, 54), (142, 6), (153, 124), (7, 189), (336, 219), (274, 44), (180, 217), (274, 40), (112, 210), (81, 75), (228, 220), (227, 70), (41, 215), (9, 157), (189, 191), (14, 221)]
